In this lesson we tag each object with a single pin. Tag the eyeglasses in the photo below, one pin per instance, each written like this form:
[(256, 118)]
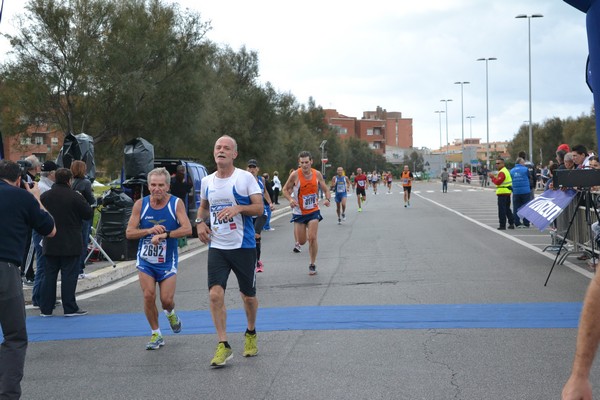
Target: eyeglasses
[(251, 166), (498, 163)]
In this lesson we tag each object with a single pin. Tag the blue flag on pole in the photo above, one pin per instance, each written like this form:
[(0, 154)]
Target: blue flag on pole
[(545, 208)]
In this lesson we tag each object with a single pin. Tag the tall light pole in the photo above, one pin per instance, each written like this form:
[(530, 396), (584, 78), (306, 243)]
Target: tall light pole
[(439, 113), (322, 146), (529, 41), (462, 119), (447, 143), (470, 117), (487, 111)]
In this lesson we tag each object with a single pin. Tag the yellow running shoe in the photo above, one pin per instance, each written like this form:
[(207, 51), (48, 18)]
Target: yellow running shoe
[(156, 341), (250, 348), (175, 322), (222, 355)]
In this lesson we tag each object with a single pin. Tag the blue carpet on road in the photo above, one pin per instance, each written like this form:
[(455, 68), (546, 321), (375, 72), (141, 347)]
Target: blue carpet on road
[(430, 316)]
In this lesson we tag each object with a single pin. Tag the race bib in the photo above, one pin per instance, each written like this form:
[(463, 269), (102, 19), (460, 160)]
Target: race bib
[(309, 201), (405, 181), (361, 183), (341, 188), (154, 254), (221, 225)]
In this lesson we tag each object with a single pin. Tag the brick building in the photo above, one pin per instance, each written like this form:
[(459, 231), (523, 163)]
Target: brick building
[(43, 142), (386, 132)]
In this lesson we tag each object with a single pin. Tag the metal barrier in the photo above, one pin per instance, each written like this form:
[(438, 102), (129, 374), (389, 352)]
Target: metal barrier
[(579, 237)]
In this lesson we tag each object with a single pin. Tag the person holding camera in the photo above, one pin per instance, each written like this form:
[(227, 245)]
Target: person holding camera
[(20, 212)]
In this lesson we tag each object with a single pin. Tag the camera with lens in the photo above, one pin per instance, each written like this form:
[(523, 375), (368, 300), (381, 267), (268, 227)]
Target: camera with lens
[(25, 166)]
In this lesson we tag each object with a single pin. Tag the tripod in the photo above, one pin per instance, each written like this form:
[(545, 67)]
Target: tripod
[(96, 245), (584, 196)]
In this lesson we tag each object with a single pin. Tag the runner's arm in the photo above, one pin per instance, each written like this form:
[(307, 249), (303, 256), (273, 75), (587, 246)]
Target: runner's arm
[(324, 188), (203, 228), (289, 187), (185, 226)]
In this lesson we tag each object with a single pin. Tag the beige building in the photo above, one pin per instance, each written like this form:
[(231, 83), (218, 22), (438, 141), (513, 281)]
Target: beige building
[(473, 148)]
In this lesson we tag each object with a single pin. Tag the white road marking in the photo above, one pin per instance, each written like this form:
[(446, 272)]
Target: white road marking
[(514, 239)]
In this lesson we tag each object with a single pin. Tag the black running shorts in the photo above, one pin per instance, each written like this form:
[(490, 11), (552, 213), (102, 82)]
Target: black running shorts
[(241, 261)]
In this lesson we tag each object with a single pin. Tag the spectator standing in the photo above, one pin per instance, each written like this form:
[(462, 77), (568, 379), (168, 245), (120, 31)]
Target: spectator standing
[(46, 181), (20, 212), (484, 176), (63, 251), (560, 158), (531, 170), (551, 170), (269, 204), (445, 176), (33, 167), (230, 198), (569, 161), (521, 192), (503, 182), (580, 156), (181, 185), (83, 185), (276, 187)]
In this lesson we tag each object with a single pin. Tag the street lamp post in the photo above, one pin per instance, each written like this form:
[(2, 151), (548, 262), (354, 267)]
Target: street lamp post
[(447, 142), (439, 113), (529, 41), (462, 119), (470, 117), (322, 146), (487, 111)]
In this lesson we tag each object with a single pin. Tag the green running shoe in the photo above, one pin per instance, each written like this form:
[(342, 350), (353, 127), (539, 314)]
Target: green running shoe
[(175, 322), (156, 341), (250, 348), (222, 355)]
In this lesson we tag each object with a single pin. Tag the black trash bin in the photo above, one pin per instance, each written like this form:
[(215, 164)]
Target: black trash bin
[(114, 217)]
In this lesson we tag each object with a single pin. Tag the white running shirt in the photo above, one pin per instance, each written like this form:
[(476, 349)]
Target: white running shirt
[(236, 232)]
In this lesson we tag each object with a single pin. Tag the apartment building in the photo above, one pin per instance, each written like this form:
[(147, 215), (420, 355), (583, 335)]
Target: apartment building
[(387, 133), (42, 141)]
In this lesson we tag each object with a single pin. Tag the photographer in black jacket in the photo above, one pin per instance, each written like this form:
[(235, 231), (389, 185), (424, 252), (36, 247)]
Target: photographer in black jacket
[(20, 212)]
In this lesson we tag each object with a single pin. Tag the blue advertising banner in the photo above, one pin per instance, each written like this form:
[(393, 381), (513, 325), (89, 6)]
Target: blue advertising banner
[(544, 209)]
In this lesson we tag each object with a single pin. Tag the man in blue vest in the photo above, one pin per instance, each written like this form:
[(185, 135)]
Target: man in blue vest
[(157, 221), (521, 190)]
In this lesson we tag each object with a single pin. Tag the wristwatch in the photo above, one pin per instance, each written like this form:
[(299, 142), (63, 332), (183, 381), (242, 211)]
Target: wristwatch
[(168, 234), (199, 221)]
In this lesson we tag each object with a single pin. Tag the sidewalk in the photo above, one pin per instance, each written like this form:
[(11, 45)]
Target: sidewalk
[(102, 273)]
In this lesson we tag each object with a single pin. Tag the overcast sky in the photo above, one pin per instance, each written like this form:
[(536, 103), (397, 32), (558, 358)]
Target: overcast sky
[(405, 56)]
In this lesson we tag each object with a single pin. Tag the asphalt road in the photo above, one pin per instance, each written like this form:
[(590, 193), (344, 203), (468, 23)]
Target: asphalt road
[(425, 302)]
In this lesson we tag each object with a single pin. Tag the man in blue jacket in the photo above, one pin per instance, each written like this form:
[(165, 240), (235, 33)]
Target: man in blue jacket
[(521, 189)]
